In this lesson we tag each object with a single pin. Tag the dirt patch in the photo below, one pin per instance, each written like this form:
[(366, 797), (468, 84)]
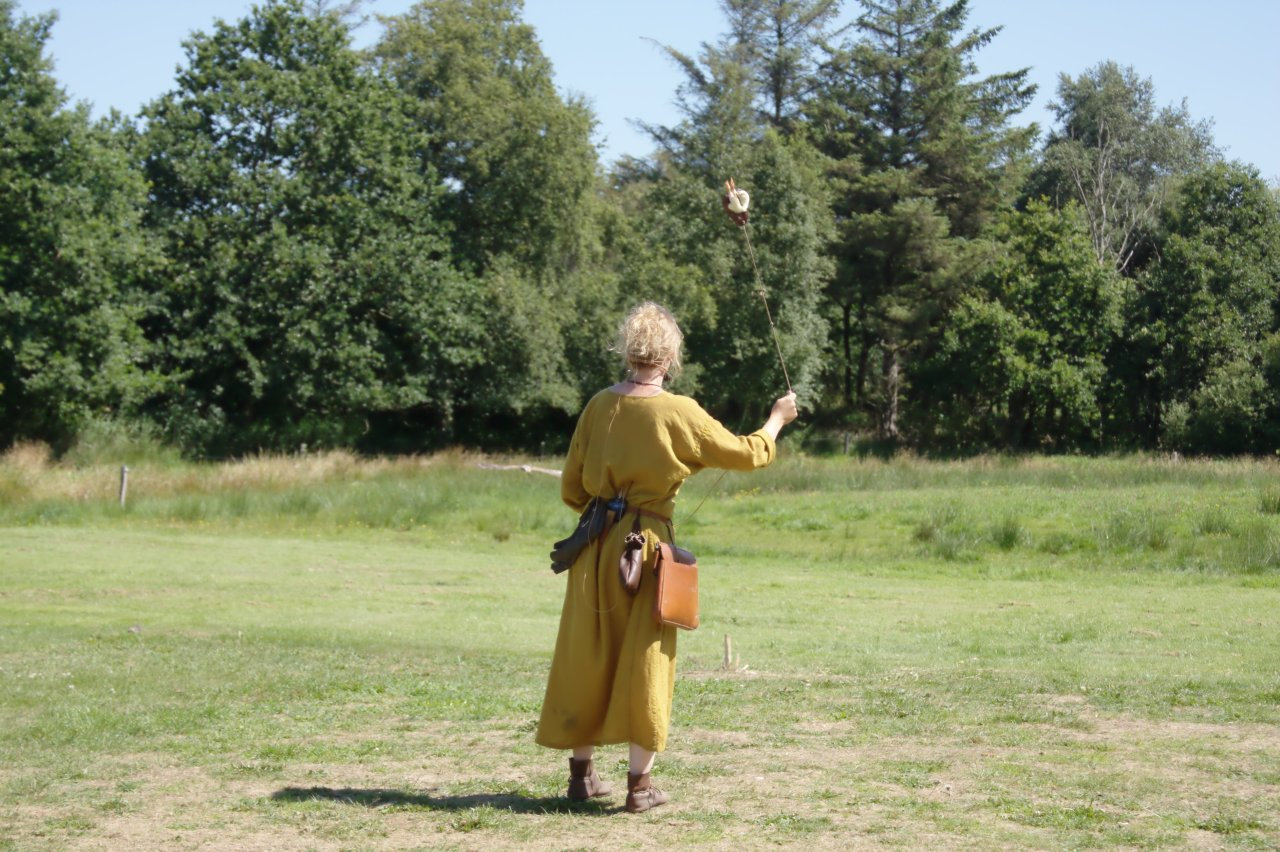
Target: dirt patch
[(1122, 729), (1232, 735)]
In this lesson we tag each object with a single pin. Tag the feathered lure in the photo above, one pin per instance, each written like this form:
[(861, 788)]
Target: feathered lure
[(736, 201)]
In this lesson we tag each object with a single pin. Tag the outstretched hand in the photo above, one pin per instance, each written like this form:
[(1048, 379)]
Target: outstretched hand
[(784, 409)]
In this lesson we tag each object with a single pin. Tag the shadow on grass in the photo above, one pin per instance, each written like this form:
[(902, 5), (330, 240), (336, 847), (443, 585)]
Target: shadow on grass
[(378, 798)]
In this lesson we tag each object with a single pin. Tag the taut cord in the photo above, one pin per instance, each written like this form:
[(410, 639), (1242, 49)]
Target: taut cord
[(710, 491), (736, 202), (760, 286)]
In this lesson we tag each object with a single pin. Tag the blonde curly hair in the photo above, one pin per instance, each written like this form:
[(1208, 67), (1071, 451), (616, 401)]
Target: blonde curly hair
[(650, 336)]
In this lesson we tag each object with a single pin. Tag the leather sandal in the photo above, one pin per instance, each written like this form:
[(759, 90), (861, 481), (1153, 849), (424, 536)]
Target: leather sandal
[(584, 783), (642, 795)]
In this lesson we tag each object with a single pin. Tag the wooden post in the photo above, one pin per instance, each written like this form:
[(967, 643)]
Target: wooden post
[(728, 652), (124, 484)]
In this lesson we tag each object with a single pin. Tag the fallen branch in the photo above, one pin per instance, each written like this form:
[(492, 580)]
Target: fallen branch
[(527, 468)]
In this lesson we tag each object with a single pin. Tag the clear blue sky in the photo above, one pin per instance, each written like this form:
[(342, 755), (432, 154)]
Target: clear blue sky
[(1223, 57)]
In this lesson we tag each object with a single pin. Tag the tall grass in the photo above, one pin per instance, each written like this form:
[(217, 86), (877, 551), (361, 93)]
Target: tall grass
[(1023, 513), (333, 490), (1135, 529), (91, 470), (1008, 533), (1269, 501), (908, 471), (107, 441)]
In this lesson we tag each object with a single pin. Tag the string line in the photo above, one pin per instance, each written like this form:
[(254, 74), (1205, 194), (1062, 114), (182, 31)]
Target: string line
[(776, 345), (751, 253)]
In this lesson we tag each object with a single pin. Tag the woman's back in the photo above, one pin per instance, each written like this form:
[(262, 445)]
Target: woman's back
[(646, 446)]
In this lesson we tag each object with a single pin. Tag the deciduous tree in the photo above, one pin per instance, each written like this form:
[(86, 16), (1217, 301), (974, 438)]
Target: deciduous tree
[(1202, 322), (515, 157), (1021, 361), (519, 173), (1113, 152), (309, 295), (71, 252)]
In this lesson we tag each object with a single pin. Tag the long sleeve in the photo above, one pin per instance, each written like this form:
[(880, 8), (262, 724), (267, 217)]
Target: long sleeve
[(572, 491), (716, 446)]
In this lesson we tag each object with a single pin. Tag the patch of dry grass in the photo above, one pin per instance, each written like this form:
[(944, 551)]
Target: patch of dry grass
[(31, 465)]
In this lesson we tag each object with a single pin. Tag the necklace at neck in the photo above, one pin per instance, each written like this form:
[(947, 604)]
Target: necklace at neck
[(656, 384)]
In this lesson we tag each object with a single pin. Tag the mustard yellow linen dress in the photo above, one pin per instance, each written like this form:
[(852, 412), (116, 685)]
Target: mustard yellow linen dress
[(614, 670)]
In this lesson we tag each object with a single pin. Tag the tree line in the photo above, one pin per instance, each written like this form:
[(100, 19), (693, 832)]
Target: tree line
[(416, 245)]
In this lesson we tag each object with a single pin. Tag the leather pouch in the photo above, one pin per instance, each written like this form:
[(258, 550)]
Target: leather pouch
[(676, 602), (631, 563)]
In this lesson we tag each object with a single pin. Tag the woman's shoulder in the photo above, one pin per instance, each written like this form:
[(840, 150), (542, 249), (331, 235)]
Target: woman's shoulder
[(684, 406), (594, 402), (673, 402)]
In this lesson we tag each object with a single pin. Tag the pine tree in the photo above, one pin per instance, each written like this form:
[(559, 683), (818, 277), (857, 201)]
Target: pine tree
[(723, 135), (922, 155), (781, 42)]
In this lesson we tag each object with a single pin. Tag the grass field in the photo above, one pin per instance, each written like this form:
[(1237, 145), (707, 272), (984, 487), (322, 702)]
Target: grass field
[(323, 652)]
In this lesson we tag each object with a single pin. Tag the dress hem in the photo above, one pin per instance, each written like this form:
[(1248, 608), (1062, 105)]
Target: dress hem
[(599, 743)]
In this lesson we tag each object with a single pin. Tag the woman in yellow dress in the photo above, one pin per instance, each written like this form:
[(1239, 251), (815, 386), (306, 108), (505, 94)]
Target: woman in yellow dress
[(613, 674)]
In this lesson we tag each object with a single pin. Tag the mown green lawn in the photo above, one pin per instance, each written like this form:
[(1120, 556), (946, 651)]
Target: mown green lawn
[(1034, 654)]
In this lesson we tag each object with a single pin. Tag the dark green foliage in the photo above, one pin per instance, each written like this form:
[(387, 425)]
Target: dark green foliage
[(414, 245), (780, 42), (723, 135), (518, 170), (1113, 152), (922, 157), (516, 159), (309, 286), (1020, 364), (1201, 361), (71, 251)]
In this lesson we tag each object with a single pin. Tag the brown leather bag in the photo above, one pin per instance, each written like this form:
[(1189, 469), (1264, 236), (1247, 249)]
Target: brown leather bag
[(676, 602)]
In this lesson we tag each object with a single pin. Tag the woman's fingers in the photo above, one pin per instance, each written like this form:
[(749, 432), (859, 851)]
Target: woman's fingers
[(785, 407)]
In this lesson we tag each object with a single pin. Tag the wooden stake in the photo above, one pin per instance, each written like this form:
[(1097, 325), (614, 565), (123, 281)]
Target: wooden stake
[(124, 484), (728, 652)]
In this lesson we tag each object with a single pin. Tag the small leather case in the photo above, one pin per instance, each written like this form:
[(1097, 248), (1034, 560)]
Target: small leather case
[(676, 602)]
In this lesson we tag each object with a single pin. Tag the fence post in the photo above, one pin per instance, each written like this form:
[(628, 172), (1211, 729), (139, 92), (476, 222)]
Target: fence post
[(124, 484)]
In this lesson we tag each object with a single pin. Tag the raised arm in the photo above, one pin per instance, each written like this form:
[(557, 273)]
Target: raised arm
[(716, 446)]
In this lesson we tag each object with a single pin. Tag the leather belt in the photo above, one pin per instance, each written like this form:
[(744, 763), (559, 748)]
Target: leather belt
[(647, 514)]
